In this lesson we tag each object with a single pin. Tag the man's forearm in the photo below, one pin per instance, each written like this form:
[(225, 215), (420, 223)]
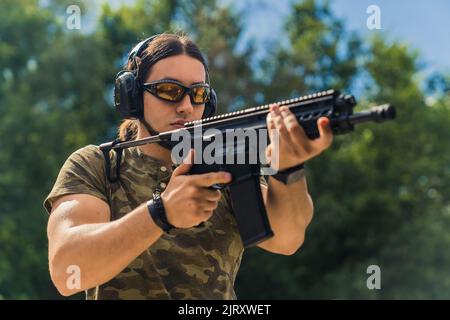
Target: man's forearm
[(102, 250), (290, 210)]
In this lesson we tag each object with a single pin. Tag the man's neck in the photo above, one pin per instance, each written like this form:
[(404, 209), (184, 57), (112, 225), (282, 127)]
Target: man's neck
[(154, 150)]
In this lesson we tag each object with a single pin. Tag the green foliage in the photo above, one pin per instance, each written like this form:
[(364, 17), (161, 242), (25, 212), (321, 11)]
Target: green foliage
[(321, 54), (381, 197), (381, 194)]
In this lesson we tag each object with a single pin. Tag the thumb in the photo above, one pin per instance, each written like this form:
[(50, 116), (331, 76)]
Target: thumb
[(324, 126), (186, 165), (325, 131)]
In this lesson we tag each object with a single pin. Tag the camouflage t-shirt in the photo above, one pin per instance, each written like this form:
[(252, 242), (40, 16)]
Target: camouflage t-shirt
[(194, 263)]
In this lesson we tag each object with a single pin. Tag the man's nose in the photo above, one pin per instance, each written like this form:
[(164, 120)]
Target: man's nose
[(185, 105)]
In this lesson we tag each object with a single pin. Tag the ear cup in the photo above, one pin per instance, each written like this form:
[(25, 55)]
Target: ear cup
[(127, 90), (210, 106), (126, 95)]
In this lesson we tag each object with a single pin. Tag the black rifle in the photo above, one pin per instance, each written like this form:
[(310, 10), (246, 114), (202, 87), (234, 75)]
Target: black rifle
[(245, 192)]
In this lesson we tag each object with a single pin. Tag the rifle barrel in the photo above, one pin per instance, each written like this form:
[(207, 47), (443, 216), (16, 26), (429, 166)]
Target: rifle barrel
[(378, 114)]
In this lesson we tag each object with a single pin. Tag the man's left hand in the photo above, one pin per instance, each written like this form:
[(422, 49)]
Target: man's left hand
[(294, 145)]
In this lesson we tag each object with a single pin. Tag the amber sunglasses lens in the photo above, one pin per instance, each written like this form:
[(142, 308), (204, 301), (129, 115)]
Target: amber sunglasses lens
[(200, 94)]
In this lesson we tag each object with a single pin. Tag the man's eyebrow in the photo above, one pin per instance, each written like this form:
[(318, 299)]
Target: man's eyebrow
[(173, 79)]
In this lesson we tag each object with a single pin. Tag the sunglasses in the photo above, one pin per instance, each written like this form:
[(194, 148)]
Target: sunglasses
[(174, 91)]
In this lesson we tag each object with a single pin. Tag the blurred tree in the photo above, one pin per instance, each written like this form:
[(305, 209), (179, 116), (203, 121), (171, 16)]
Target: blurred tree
[(26, 32), (50, 107), (381, 193), (320, 53)]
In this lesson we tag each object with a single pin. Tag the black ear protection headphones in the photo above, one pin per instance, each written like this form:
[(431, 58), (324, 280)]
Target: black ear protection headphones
[(128, 94)]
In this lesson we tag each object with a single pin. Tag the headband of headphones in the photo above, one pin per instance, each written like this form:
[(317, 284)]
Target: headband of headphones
[(139, 48), (128, 98)]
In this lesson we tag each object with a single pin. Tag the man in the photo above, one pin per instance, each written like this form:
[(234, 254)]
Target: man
[(118, 240)]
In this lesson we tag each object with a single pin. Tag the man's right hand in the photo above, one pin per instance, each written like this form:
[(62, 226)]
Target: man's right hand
[(187, 199)]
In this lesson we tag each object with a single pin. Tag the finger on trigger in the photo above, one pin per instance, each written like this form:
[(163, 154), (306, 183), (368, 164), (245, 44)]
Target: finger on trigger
[(211, 178)]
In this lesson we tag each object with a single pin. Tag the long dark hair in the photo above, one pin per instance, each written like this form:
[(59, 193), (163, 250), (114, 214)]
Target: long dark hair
[(163, 46)]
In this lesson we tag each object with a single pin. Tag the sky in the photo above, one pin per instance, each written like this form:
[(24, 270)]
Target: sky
[(423, 24)]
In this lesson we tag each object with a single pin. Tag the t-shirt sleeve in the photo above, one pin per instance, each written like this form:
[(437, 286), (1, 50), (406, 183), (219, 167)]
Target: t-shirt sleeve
[(82, 173)]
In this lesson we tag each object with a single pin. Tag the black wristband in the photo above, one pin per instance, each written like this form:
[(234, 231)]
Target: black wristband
[(158, 213), (294, 168), (289, 175)]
